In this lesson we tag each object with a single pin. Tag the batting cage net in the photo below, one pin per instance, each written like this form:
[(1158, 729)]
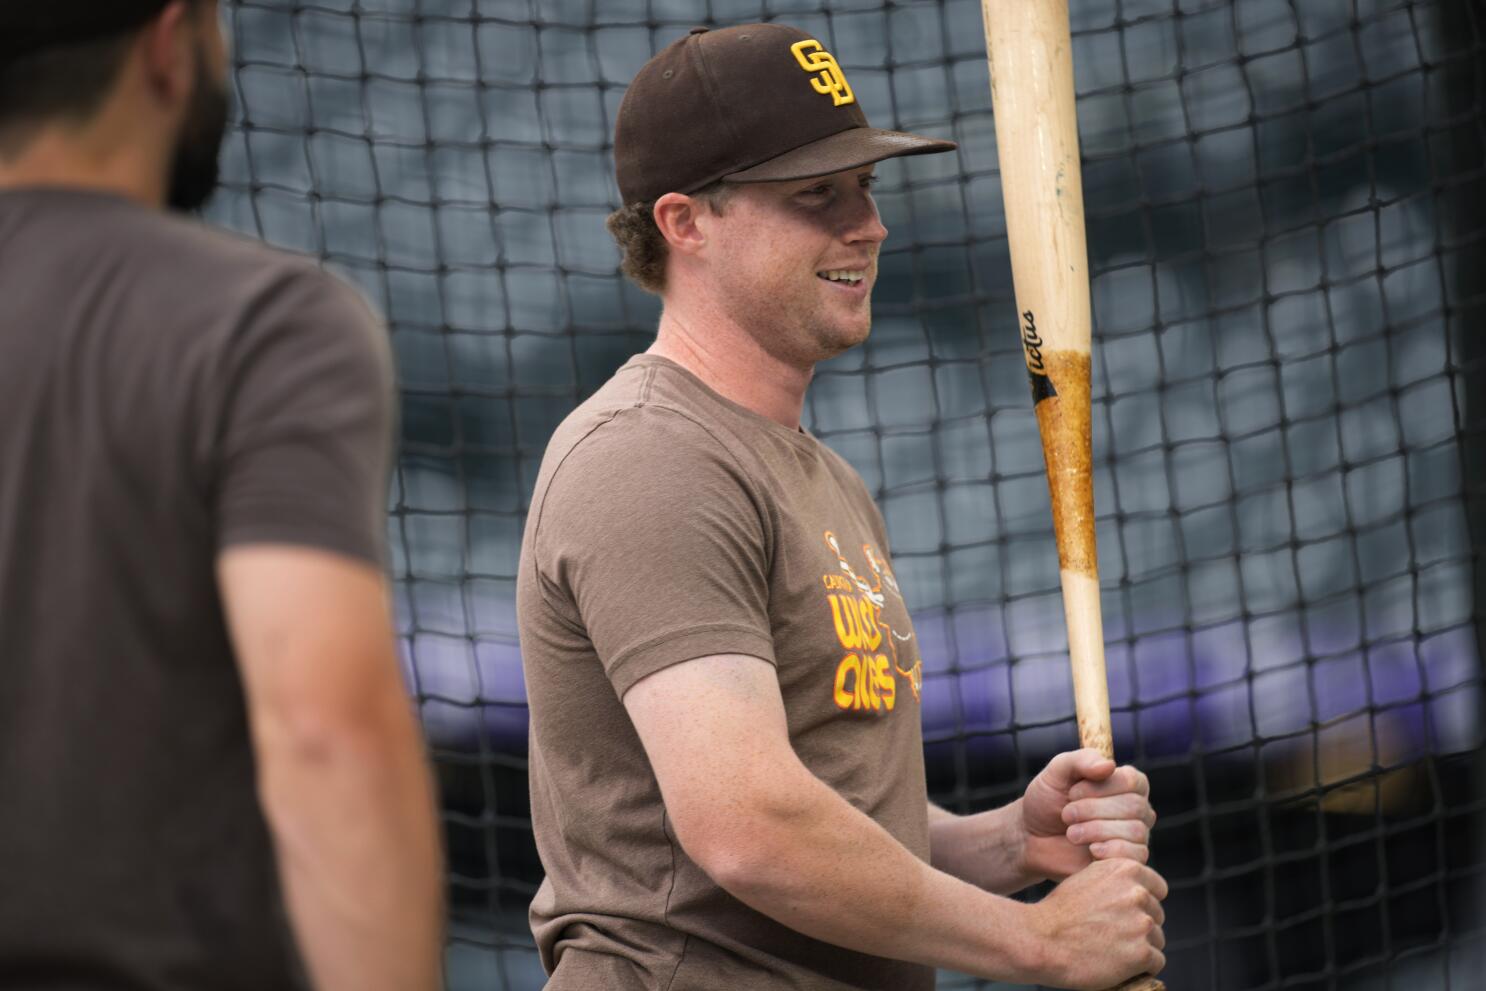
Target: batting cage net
[(1286, 233)]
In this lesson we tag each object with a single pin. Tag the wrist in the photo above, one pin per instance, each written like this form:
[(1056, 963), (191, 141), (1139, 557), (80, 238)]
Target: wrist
[(1031, 955), (1024, 850)]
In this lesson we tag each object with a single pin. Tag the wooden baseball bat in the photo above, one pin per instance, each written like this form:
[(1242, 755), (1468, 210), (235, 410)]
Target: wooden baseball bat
[(1031, 59)]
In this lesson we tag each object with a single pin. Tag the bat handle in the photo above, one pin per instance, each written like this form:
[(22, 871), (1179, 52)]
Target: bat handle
[(1091, 690)]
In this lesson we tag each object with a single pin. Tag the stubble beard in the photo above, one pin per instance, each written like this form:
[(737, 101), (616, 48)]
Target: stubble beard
[(800, 328), (836, 334), (809, 337)]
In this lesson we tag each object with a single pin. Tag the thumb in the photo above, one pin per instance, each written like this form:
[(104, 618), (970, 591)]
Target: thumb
[(1067, 769)]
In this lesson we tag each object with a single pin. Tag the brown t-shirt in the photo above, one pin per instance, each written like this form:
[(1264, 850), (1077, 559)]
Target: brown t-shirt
[(166, 390), (669, 524)]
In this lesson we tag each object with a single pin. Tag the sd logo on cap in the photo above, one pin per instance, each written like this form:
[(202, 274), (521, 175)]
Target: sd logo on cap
[(831, 81)]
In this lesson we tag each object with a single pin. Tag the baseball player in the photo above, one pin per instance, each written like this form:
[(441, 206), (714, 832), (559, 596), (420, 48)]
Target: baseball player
[(726, 757), (210, 776)]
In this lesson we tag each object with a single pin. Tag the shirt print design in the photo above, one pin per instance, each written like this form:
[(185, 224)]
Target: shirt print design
[(877, 654)]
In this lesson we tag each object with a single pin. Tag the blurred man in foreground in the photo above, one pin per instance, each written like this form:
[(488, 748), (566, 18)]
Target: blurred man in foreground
[(210, 776)]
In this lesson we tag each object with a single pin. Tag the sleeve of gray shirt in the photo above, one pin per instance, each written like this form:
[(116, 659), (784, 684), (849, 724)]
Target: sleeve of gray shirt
[(305, 442)]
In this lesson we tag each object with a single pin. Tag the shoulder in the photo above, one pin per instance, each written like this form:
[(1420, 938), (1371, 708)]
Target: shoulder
[(636, 445), (170, 248), (258, 303), (260, 279), (191, 278), (615, 469)]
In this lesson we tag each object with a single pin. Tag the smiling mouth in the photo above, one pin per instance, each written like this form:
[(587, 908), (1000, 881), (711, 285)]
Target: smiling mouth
[(844, 276)]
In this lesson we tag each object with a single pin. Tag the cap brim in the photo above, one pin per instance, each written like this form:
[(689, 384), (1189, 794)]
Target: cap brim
[(849, 149)]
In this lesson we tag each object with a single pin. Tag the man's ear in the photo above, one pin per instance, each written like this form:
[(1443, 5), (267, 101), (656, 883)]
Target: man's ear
[(167, 51), (679, 218)]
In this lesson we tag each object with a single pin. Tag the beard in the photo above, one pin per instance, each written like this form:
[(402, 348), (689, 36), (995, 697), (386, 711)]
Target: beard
[(195, 162), (797, 328)]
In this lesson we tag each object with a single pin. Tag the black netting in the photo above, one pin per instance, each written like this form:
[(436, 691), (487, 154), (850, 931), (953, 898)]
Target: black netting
[(1286, 230)]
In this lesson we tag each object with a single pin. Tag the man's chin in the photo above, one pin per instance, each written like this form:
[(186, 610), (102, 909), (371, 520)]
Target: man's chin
[(845, 337)]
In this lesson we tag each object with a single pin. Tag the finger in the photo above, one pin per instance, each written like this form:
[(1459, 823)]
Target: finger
[(1150, 906), (1136, 808), (1122, 780), (1118, 782), (1157, 937), (1084, 833), (1067, 769), (1153, 882), (1120, 850), (1157, 963)]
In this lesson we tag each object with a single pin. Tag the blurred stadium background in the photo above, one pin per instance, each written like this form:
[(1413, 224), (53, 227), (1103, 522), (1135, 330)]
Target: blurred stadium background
[(1287, 225)]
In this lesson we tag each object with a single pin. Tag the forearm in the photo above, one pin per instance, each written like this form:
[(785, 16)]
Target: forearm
[(355, 829), (987, 849), (826, 870)]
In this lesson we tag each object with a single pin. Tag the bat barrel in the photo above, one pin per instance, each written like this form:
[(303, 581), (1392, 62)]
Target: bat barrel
[(1031, 59), (1030, 53)]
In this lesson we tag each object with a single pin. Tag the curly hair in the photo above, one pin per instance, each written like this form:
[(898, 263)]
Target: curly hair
[(642, 246)]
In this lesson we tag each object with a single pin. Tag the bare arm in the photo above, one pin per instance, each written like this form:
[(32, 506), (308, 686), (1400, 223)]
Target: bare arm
[(777, 838), (988, 849), (342, 773)]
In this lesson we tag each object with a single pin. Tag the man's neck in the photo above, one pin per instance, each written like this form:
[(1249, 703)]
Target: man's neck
[(732, 363), (93, 159)]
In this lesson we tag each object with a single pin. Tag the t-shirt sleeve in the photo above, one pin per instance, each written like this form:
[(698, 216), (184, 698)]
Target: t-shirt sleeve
[(304, 449), (653, 541)]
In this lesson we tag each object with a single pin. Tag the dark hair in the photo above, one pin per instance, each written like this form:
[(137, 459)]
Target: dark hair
[(642, 247), (66, 80)]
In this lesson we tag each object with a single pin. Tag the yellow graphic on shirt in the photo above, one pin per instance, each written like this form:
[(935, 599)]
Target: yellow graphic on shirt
[(867, 677), (831, 82)]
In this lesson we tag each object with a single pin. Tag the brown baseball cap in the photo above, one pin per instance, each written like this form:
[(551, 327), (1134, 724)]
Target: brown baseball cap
[(752, 103)]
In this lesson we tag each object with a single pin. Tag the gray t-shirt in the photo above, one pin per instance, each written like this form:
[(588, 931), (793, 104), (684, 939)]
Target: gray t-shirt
[(668, 524), (166, 390)]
